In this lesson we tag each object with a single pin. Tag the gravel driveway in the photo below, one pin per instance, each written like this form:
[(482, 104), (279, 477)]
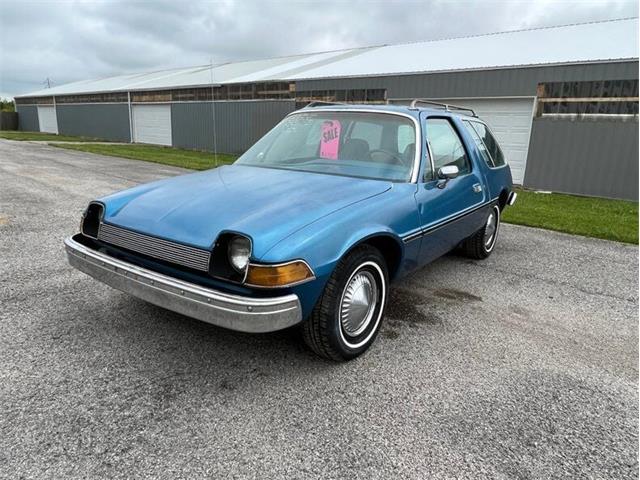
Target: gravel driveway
[(521, 366)]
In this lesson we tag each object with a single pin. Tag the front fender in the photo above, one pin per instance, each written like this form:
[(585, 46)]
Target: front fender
[(324, 242)]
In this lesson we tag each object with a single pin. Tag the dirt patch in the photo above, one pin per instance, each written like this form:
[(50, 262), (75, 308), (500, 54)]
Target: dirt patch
[(520, 311), (403, 306), (4, 220), (227, 385), (457, 295), (390, 333)]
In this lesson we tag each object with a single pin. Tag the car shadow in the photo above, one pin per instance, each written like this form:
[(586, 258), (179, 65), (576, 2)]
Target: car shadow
[(171, 349)]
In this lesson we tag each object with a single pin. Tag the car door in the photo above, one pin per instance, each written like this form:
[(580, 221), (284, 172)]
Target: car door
[(450, 210)]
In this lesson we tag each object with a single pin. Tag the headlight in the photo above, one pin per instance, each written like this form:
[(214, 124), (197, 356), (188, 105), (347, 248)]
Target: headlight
[(239, 253), (90, 223)]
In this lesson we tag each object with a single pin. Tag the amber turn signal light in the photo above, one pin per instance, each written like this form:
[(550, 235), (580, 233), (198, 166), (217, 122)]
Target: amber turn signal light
[(283, 275)]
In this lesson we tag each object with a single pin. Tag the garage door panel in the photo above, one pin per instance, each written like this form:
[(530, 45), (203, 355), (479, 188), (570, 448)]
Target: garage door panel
[(510, 121), (47, 120), (152, 124)]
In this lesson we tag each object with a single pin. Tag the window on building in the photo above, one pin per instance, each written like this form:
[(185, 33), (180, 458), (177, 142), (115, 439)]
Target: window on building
[(249, 91), (446, 146), (116, 97), (34, 101), (600, 97), (371, 95), (151, 96)]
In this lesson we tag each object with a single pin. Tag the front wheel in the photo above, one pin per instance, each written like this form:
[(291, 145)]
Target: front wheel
[(480, 245), (346, 319)]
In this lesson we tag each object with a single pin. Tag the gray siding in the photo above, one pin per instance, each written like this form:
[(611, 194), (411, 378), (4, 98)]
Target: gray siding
[(238, 124), (28, 118), (598, 158), (480, 83), (100, 120)]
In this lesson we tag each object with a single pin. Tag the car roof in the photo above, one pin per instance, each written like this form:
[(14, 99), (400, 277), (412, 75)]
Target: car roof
[(406, 109)]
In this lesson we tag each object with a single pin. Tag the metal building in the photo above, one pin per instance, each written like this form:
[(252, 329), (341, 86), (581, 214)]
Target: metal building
[(563, 101)]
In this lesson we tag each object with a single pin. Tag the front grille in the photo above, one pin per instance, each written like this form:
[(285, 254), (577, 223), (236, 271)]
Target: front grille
[(153, 247)]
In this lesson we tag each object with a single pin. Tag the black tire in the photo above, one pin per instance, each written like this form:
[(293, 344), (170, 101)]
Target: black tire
[(326, 330), (477, 245)]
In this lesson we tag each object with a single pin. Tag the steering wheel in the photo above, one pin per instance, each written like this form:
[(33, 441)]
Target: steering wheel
[(396, 159)]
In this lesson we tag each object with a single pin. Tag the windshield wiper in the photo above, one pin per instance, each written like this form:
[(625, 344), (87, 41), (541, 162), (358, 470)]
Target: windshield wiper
[(289, 161)]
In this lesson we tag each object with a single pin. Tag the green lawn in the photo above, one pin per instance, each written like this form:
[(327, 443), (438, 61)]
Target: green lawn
[(176, 157), (37, 136), (591, 217)]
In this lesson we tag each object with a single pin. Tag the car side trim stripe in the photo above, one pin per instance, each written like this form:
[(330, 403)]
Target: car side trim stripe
[(425, 231)]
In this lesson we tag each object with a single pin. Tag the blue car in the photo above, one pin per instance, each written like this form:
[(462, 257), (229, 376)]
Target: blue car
[(310, 226)]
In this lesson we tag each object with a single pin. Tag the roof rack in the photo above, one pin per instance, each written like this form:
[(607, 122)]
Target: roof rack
[(444, 106), (318, 103)]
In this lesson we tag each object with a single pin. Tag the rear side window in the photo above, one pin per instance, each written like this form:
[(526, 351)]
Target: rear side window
[(480, 144), (489, 142), (446, 146)]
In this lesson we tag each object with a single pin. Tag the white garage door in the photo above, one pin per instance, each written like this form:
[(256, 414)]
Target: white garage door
[(152, 124), (47, 119), (510, 121)]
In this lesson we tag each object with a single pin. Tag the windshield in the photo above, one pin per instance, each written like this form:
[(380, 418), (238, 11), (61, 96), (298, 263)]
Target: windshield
[(357, 144)]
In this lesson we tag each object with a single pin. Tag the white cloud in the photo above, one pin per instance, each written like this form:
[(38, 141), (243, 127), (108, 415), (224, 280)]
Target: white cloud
[(75, 40)]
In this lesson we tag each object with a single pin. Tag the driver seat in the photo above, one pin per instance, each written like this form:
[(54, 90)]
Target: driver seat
[(409, 153), (355, 149)]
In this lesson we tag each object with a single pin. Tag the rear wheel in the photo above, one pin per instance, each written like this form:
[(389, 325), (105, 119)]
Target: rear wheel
[(346, 319), (480, 245)]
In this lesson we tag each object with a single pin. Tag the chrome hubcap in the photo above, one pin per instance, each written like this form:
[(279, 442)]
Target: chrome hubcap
[(358, 303), (490, 229)]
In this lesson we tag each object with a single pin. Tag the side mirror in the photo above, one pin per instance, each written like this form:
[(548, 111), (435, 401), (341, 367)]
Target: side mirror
[(447, 173)]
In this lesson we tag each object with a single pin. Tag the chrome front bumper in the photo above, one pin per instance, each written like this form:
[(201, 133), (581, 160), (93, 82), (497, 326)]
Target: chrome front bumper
[(246, 314), (512, 198)]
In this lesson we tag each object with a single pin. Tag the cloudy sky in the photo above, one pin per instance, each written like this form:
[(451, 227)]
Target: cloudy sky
[(67, 41)]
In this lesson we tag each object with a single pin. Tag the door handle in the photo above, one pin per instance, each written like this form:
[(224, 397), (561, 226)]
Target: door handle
[(477, 188)]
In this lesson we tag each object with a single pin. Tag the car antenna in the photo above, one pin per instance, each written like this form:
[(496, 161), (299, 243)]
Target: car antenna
[(213, 116)]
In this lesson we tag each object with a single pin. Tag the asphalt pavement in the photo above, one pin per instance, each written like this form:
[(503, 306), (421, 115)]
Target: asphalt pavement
[(524, 365)]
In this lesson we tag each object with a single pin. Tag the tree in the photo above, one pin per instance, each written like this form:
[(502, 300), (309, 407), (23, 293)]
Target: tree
[(7, 105)]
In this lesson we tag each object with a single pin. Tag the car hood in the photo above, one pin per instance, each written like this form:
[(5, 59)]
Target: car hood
[(265, 204)]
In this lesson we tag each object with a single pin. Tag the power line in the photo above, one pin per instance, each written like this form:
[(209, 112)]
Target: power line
[(213, 115)]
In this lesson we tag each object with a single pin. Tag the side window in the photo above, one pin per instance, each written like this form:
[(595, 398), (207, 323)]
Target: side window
[(480, 144), (369, 132), (490, 142), (446, 146)]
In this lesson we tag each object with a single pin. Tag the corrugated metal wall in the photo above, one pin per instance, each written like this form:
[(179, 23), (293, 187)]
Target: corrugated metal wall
[(598, 158), (101, 120), (28, 118), (238, 124), (563, 155), (482, 83)]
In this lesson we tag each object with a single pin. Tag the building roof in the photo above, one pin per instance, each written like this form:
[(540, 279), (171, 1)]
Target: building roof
[(587, 42)]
